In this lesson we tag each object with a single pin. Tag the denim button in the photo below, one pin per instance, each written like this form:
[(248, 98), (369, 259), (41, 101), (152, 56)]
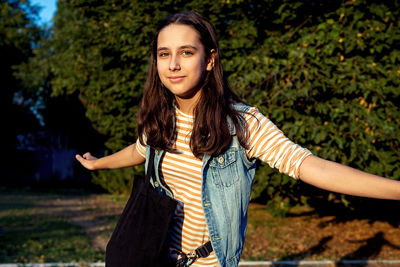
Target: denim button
[(156, 184), (221, 159)]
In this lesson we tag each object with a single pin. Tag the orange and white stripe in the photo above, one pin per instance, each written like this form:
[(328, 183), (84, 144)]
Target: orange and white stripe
[(182, 174), (270, 145)]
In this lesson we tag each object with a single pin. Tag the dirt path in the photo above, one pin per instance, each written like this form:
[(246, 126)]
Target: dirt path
[(306, 236), (95, 214), (320, 237)]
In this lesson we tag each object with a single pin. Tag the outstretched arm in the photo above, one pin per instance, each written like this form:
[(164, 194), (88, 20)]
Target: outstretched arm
[(336, 177), (129, 156)]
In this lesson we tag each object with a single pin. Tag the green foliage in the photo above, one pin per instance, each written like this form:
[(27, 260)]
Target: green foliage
[(118, 181), (278, 207), (325, 72), (17, 29), (18, 32), (330, 81)]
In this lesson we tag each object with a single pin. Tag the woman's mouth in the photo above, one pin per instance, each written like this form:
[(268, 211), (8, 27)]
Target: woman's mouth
[(176, 79)]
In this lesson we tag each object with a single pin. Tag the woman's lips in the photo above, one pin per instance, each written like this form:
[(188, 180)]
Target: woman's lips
[(176, 79)]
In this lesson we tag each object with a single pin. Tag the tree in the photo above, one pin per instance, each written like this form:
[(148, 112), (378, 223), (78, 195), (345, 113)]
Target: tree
[(328, 75), (18, 32), (325, 72)]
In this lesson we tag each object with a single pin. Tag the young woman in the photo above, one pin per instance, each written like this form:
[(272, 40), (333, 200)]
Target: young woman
[(211, 140)]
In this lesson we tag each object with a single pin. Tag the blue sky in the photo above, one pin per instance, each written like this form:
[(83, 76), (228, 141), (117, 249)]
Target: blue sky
[(47, 11)]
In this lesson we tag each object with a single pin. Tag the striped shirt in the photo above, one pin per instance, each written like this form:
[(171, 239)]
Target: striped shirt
[(182, 174)]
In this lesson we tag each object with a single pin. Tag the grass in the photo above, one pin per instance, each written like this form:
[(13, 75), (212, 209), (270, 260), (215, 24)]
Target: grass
[(53, 227), (30, 234)]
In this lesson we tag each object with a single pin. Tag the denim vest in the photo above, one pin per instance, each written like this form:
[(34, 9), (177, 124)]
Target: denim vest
[(226, 188)]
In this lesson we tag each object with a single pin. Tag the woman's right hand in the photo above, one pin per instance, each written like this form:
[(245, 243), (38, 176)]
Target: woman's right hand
[(87, 160), (126, 157)]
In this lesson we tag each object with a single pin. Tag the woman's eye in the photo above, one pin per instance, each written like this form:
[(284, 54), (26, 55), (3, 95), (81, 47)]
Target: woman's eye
[(163, 54), (187, 53)]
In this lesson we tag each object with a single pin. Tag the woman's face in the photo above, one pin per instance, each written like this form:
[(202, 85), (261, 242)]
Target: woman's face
[(181, 60)]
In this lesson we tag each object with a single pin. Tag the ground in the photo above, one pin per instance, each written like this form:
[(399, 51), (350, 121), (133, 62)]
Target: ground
[(310, 236), (305, 234)]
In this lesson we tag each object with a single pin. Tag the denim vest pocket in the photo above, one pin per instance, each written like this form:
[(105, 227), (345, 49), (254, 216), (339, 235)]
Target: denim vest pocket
[(225, 169)]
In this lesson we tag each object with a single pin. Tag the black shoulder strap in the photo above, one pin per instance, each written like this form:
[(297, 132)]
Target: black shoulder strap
[(204, 250)]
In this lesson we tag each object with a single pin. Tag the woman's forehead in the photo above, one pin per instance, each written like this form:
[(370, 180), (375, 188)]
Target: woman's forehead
[(177, 35)]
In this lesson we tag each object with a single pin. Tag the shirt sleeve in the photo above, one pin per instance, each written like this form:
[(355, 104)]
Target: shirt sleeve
[(141, 149), (269, 144)]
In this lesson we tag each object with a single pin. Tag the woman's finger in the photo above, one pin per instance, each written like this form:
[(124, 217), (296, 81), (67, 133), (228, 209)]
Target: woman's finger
[(87, 155)]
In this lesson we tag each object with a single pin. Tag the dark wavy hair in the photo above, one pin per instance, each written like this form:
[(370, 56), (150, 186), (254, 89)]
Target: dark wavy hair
[(211, 134)]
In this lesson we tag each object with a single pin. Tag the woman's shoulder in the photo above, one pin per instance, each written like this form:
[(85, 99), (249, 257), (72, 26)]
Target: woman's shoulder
[(247, 110), (242, 107)]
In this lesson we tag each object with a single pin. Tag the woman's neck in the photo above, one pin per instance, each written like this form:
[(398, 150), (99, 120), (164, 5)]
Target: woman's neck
[(187, 105)]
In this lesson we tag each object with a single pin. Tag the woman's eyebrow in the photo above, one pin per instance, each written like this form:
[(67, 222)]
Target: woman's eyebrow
[(188, 46), (181, 47)]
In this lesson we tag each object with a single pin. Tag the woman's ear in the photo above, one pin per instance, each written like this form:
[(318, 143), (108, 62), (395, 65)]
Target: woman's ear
[(211, 60)]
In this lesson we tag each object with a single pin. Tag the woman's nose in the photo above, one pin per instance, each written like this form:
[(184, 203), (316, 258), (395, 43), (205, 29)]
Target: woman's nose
[(174, 63)]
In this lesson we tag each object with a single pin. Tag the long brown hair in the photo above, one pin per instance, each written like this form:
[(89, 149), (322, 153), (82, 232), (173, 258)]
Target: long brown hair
[(211, 133)]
